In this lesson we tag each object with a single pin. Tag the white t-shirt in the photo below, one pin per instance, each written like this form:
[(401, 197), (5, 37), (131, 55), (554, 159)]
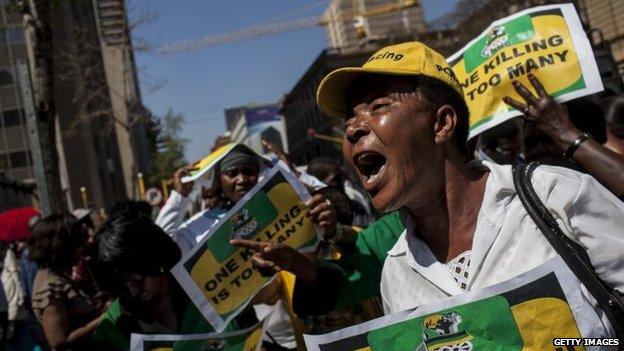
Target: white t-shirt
[(507, 242)]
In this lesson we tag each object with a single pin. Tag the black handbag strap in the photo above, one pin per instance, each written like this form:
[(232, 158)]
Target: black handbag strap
[(572, 254)]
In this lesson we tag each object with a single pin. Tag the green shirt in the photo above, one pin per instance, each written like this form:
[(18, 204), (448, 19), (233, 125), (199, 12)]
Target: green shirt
[(115, 327), (111, 336), (364, 261)]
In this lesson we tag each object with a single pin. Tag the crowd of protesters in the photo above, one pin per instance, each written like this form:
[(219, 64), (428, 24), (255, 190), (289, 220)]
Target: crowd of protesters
[(424, 199)]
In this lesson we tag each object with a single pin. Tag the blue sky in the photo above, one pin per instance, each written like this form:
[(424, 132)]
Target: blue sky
[(200, 84)]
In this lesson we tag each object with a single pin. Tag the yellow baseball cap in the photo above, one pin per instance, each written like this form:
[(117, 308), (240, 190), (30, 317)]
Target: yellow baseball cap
[(406, 59)]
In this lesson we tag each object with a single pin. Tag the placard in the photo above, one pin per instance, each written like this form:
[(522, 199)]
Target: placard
[(547, 41), (219, 277)]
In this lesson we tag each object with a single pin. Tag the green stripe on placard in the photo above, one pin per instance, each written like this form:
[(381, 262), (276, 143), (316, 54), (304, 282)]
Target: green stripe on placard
[(516, 31)]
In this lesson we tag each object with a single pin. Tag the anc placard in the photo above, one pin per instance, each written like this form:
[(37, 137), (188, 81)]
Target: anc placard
[(219, 277), (547, 41), (243, 340), (524, 313)]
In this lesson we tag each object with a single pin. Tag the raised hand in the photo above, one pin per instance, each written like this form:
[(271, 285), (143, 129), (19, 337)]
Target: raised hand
[(544, 112), (323, 214), (183, 189)]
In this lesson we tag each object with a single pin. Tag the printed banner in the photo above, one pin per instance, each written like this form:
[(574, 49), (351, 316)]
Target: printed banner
[(547, 41), (524, 313), (207, 164), (219, 277), (259, 115), (243, 340), (265, 123)]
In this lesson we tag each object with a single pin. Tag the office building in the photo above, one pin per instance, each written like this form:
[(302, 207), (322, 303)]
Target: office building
[(349, 25), (100, 135)]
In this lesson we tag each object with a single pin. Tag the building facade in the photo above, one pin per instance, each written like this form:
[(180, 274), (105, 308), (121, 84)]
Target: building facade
[(125, 96), (16, 166), (608, 17), (101, 140), (15, 159), (347, 24), (89, 154)]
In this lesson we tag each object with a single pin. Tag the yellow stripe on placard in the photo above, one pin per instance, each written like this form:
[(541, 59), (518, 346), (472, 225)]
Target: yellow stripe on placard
[(541, 320)]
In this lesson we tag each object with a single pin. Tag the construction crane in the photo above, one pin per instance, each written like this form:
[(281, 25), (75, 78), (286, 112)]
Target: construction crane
[(357, 16)]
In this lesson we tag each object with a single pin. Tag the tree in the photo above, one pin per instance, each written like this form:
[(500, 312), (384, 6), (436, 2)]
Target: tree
[(167, 146), (36, 19)]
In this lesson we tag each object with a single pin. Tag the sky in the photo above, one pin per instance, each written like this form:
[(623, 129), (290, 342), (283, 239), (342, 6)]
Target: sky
[(200, 84)]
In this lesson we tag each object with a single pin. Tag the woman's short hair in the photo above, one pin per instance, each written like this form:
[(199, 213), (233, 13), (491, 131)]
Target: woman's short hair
[(136, 245), (439, 93), (55, 240)]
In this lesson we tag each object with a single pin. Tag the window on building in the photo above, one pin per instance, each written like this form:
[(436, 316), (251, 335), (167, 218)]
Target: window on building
[(12, 118), (21, 173), (5, 58), (16, 35), (6, 77), (19, 51), (15, 139), (7, 97), (19, 159), (4, 162)]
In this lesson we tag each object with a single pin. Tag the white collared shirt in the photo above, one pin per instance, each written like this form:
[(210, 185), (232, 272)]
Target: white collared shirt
[(507, 242)]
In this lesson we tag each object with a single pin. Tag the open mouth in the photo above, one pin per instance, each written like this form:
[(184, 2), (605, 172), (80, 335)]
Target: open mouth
[(371, 166)]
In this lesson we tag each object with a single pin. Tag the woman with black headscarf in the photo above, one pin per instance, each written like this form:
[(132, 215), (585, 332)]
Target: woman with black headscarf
[(233, 177)]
